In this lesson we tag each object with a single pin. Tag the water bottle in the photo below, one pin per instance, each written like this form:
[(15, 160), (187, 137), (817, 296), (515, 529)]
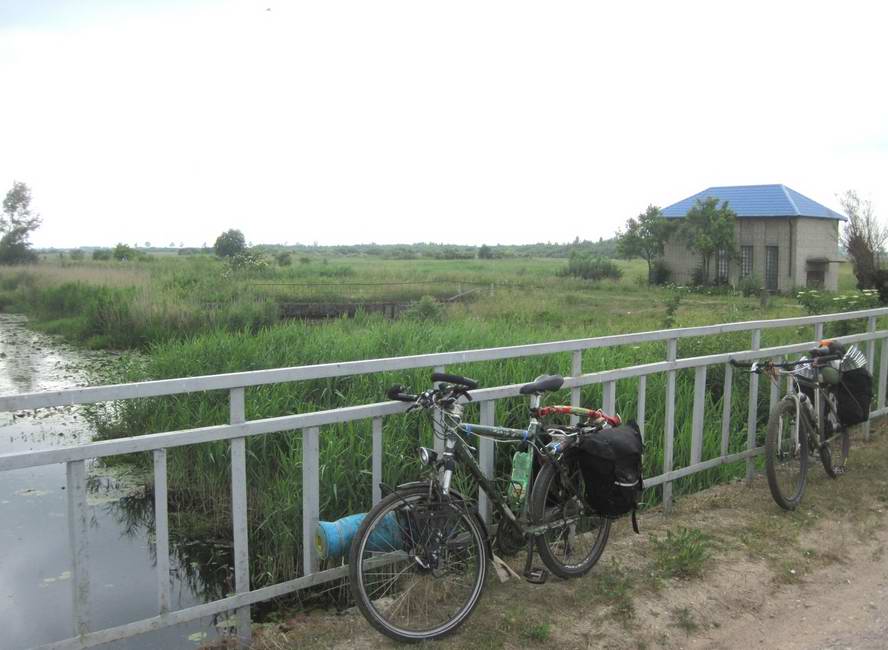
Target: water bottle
[(522, 463)]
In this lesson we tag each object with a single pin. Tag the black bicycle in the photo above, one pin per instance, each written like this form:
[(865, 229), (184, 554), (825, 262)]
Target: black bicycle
[(419, 560), (804, 422)]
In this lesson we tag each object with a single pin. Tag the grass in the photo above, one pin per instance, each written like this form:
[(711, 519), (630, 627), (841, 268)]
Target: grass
[(192, 318)]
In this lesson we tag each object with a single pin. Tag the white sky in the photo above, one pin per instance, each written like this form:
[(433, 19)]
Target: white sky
[(467, 122)]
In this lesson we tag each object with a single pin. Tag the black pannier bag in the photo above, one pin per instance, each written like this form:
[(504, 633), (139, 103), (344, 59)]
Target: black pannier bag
[(854, 394), (610, 460)]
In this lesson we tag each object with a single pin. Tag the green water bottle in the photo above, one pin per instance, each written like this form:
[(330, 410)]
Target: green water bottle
[(521, 467)]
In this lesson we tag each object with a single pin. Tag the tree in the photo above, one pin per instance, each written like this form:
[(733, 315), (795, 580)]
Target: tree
[(230, 243), (709, 228), (123, 253), (485, 252), (16, 225), (862, 238), (645, 237)]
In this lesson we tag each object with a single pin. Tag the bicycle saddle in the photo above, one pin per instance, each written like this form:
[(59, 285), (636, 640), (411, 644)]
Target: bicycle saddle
[(542, 384)]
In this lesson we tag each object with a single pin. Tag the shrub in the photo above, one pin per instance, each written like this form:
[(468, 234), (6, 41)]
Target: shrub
[(749, 285), (660, 273), (283, 259), (304, 260), (821, 302), (101, 254), (247, 263), (698, 277), (426, 308), (122, 253), (77, 255), (591, 268)]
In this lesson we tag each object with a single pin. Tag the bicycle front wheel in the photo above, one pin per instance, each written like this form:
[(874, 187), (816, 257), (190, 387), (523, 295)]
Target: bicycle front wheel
[(786, 454), (417, 565), (576, 540)]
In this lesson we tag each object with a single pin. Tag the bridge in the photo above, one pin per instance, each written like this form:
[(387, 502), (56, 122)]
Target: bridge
[(311, 425)]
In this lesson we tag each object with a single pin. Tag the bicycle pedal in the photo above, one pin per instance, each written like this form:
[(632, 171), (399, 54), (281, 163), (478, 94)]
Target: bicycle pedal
[(536, 576)]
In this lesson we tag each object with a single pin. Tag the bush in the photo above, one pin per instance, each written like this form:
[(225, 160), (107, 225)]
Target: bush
[(591, 268), (698, 277), (821, 302), (283, 259), (660, 273), (247, 263), (750, 285), (101, 255), (77, 255), (427, 308), (123, 253)]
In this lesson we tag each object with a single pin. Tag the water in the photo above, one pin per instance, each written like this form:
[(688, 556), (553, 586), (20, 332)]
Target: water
[(35, 563)]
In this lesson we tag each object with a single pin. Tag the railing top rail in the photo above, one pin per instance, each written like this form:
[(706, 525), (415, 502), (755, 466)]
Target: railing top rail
[(157, 388), (149, 442)]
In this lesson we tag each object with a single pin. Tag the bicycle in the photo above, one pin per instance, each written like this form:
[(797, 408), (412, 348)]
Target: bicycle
[(420, 557), (795, 429)]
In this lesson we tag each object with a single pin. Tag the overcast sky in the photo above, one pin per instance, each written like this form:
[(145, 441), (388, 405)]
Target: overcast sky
[(466, 122)]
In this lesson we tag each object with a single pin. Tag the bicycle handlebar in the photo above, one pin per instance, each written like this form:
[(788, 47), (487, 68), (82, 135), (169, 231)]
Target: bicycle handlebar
[(785, 364)]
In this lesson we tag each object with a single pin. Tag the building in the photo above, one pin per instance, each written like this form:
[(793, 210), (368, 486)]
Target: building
[(783, 238)]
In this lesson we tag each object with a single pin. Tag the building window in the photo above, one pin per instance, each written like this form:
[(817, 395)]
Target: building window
[(722, 271), (771, 265), (745, 261)]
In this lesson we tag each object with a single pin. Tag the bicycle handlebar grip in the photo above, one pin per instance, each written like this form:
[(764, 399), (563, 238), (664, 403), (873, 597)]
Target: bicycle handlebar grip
[(397, 393), (740, 364), (471, 384)]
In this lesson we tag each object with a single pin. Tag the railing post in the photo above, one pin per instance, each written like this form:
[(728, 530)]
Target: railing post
[(698, 412), (311, 502), (775, 391), (609, 397), (376, 461), (161, 531), (726, 410), (883, 373), (871, 360), (640, 406), (752, 418), (78, 527), (438, 422), (486, 457), (818, 332), (239, 519), (576, 369), (669, 424)]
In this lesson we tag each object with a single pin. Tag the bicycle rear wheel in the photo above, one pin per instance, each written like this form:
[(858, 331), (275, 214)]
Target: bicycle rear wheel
[(786, 454), (570, 549), (835, 444), (417, 565)]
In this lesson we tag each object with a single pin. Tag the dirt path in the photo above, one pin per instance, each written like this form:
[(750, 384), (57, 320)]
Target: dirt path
[(843, 606), (726, 569)]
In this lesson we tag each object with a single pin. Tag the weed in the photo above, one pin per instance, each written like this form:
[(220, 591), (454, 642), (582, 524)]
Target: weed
[(683, 618), (538, 632), (681, 554)]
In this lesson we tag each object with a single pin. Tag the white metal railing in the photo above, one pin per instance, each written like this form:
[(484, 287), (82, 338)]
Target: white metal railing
[(239, 429)]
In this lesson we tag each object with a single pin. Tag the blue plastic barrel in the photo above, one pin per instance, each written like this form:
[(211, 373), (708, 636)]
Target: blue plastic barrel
[(333, 538)]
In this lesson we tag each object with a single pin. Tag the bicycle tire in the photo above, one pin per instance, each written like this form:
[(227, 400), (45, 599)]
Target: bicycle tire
[(548, 498), (373, 604), (782, 454), (827, 458)]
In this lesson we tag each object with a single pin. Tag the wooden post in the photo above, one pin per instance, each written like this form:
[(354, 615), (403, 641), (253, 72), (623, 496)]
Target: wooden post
[(726, 410), (161, 531), (698, 412), (576, 369), (311, 503), (486, 451), (640, 406)]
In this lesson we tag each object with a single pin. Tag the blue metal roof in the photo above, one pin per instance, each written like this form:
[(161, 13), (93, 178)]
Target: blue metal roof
[(758, 201)]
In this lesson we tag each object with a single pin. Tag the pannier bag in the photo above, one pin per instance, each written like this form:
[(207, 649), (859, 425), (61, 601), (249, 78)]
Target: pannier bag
[(853, 396), (610, 460)]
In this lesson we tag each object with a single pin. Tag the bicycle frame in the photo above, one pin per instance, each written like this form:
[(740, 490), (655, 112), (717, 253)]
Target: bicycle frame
[(812, 417), (456, 450)]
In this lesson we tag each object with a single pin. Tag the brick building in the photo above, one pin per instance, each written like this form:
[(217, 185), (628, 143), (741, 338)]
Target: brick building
[(784, 238)]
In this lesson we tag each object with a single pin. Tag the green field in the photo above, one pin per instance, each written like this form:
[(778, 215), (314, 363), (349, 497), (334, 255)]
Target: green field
[(190, 316)]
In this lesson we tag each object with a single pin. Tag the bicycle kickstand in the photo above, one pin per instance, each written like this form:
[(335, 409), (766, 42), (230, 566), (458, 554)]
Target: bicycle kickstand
[(534, 575)]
